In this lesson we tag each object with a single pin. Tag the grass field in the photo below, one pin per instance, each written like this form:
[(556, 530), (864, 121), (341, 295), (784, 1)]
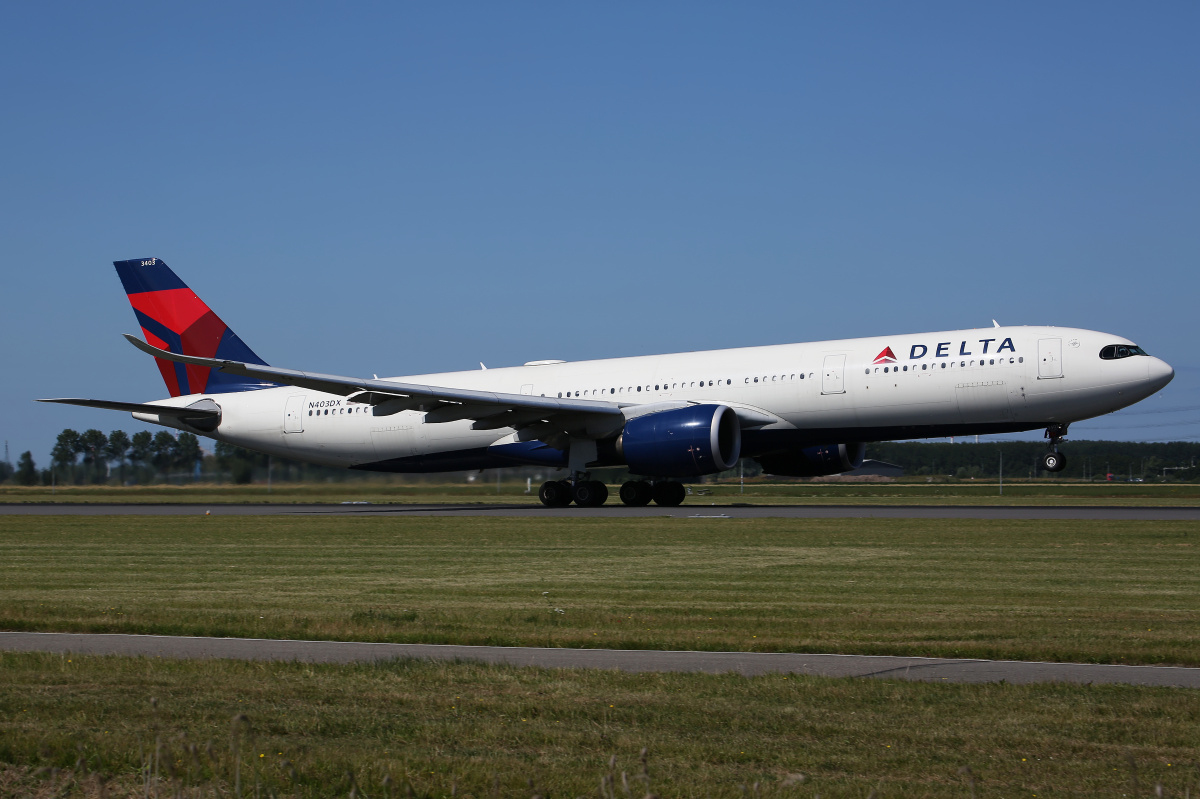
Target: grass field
[(1124, 592), (478, 731), (961, 492)]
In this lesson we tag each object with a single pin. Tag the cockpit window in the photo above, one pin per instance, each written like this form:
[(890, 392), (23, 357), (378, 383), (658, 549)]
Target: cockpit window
[(1114, 351)]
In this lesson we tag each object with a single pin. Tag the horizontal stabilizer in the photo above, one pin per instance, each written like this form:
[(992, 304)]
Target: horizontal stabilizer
[(204, 415), (141, 407)]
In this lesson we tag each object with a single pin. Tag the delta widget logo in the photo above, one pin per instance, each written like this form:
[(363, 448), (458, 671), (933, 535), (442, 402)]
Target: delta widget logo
[(887, 356)]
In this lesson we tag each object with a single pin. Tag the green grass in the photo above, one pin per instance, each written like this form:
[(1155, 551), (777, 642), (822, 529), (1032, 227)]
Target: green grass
[(480, 731), (1126, 592), (907, 492)]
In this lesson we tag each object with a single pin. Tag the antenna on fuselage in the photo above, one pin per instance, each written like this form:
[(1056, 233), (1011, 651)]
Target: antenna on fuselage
[(995, 323)]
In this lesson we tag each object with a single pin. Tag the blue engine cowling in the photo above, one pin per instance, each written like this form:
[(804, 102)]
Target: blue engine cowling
[(701, 439), (816, 461)]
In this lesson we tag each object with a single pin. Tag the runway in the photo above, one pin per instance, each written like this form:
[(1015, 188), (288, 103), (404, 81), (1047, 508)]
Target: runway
[(693, 511), (744, 663)]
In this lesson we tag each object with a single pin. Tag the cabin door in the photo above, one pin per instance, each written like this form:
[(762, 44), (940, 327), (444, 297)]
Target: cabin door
[(293, 414), (833, 375), (1049, 358)]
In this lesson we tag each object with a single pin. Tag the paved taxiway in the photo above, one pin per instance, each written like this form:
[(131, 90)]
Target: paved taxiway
[(745, 663), (695, 511)]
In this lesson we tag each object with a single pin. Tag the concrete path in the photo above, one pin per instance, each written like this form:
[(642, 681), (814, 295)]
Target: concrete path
[(745, 663)]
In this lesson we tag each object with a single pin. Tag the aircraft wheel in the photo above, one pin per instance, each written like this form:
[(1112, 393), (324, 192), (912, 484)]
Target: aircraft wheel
[(669, 493), (1054, 461), (555, 494), (637, 493), (590, 493)]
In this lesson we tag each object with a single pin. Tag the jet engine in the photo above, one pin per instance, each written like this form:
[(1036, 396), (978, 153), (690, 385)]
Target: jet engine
[(815, 461), (686, 442)]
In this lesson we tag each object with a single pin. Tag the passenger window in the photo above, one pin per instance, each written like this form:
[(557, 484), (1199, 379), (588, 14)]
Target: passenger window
[(1021, 360), (924, 367), (802, 375), (868, 371), (756, 380), (943, 364), (639, 388), (310, 413)]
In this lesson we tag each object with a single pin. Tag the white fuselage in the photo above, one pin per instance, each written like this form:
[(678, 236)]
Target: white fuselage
[(988, 380)]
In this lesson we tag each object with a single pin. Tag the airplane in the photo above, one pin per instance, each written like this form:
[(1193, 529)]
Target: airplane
[(799, 410)]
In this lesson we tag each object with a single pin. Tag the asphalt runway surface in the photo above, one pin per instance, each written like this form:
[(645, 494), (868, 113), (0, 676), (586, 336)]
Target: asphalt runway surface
[(692, 511), (744, 663)]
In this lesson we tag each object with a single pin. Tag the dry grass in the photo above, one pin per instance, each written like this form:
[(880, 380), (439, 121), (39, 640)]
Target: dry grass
[(480, 731), (1077, 591)]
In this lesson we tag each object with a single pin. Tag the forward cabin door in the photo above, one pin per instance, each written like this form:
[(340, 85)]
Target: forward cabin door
[(833, 375), (1049, 358), (293, 414)]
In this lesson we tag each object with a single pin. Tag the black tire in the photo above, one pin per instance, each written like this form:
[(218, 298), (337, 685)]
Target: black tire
[(590, 493), (637, 493), (554, 494), (669, 493), (1054, 461)]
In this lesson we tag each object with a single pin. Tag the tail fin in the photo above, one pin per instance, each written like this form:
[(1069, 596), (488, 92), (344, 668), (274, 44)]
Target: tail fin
[(173, 318)]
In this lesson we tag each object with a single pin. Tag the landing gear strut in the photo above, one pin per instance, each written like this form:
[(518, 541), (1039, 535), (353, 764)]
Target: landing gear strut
[(1053, 460)]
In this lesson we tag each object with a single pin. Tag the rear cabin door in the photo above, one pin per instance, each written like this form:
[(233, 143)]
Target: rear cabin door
[(1049, 358), (293, 415), (833, 375)]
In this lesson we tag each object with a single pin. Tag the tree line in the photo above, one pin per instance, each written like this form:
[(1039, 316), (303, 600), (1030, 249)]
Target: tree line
[(93, 458)]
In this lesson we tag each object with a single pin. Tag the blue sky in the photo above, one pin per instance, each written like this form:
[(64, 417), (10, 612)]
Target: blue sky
[(387, 188)]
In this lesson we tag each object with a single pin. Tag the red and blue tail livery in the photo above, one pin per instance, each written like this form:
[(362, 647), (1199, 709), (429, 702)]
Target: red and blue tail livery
[(173, 318)]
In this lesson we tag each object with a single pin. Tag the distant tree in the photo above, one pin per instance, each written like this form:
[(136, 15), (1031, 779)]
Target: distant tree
[(141, 450), (6, 471), (238, 461), (94, 445), (66, 448), (163, 452), (64, 455), (118, 450), (188, 452), (27, 473)]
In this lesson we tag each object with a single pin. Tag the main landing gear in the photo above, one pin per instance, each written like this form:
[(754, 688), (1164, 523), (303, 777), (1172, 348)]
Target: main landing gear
[(584, 493), (638, 493), (1053, 460), (593, 493)]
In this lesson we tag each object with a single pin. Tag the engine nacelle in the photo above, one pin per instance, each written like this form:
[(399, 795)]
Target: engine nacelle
[(815, 461), (700, 439)]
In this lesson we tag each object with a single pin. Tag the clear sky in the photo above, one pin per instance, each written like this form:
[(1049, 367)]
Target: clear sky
[(402, 188)]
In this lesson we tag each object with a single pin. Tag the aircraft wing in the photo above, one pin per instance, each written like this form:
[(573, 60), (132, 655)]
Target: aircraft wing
[(489, 410)]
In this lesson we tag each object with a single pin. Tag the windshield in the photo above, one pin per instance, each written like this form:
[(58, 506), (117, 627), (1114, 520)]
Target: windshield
[(1114, 351)]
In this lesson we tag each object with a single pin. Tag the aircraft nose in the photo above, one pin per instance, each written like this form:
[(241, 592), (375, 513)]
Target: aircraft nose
[(1159, 373)]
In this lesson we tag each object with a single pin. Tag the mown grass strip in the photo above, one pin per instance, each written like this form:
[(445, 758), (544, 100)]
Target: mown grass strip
[(483, 731), (1121, 592)]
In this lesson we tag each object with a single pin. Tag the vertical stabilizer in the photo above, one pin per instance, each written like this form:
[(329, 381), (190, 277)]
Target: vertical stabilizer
[(175, 319)]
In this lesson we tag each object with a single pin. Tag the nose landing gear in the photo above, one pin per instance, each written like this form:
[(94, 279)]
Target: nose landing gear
[(1053, 460)]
